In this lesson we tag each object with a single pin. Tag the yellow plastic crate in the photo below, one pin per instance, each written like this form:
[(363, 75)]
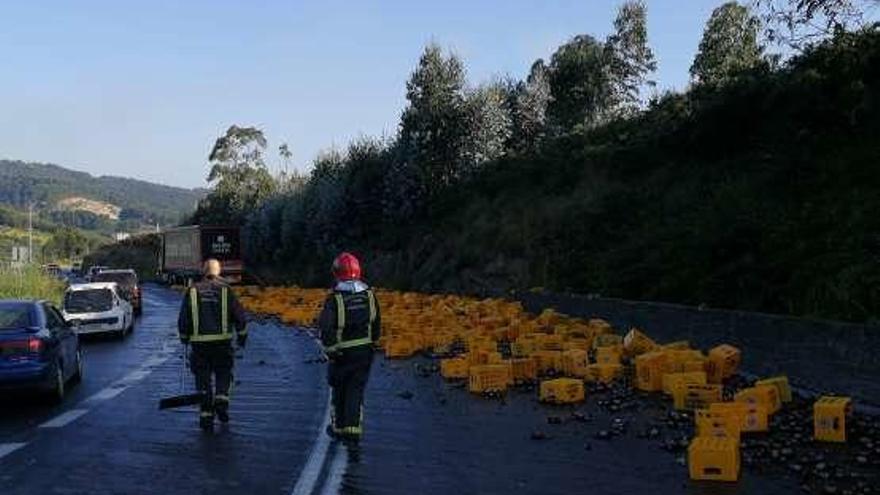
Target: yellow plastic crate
[(524, 370), (756, 419), (604, 373), (489, 378), (782, 387), (635, 342), (690, 396), (735, 411), (577, 343), (673, 380), (829, 418), (454, 367), (548, 360), (608, 340), (608, 355), (714, 459), (551, 343), (649, 371), (723, 362), (765, 395), (574, 363), (712, 423), (399, 346), (678, 345), (522, 349), (562, 391), (599, 326)]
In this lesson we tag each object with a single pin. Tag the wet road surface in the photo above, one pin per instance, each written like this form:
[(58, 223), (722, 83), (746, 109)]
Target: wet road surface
[(109, 437)]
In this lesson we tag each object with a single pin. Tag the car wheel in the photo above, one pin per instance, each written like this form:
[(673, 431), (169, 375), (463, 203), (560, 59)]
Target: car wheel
[(78, 375), (56, 395)]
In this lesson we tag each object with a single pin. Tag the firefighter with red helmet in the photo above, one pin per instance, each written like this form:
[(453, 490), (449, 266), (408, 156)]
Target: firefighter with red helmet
[(350, 325)]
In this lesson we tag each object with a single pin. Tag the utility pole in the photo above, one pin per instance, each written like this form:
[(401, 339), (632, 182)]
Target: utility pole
[(30, 232)]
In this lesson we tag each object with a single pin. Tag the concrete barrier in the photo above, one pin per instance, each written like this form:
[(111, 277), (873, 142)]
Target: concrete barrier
[(818, 356)]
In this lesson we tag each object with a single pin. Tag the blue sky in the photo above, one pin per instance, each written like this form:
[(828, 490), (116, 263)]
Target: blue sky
[(142, 89)]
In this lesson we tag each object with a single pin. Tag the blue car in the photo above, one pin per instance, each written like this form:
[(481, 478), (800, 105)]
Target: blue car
[(38, 349)]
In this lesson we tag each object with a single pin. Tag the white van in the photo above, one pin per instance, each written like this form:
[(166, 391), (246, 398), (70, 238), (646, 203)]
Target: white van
[(97, 308)]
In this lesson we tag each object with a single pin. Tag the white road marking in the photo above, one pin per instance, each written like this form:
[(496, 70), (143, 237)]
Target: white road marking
[(337, 468), (305, 485), (8, 448), (133, 377), (106, 394), (64, 419)]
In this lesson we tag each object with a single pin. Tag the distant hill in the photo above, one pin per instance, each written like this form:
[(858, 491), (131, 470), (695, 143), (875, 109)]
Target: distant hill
[(70, 197)]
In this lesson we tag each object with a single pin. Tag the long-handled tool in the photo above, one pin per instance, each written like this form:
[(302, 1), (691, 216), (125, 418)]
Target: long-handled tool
[(182, 400)]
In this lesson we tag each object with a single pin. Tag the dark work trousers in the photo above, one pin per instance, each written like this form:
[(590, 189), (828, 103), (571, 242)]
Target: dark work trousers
[(347, 376), (213, 360)]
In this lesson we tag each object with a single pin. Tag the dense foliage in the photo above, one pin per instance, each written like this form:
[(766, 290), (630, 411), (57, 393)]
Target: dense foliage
[(755, 189), (140, 253)]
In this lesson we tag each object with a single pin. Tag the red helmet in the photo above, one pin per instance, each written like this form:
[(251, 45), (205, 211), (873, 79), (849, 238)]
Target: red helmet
[(346, 267)]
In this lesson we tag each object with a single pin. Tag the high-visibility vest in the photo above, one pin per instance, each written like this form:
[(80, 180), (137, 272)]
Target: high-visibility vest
[(340, 325), (224, 334)]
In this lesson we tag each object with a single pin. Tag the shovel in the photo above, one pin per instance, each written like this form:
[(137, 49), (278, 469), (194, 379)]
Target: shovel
[(182, 400)]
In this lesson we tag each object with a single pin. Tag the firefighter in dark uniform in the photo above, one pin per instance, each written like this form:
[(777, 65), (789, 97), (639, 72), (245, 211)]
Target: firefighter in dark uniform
[(350, 325), (209, 315)]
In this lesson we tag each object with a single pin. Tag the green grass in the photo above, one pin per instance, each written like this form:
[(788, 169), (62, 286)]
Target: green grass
[(29, 283)]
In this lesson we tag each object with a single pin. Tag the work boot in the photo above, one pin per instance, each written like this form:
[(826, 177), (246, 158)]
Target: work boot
[(331, 432), (223, 413), (206, 422)]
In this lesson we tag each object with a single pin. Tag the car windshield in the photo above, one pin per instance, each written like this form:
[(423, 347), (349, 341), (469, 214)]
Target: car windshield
[(15, 316), (88, 301), (124, 279)]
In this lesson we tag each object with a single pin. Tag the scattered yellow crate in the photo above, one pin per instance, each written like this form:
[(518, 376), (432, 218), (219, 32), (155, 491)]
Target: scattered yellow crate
[(574, 363), (737, 412), (523, 370), (765, 395), (723, 362), (489, 378), (678, 345), (604, 373), (400, 346), (548, 361), (454, 367), (714, 459), (691, 396), (562, 391), (829, 418), (608, 340), (782, 387), (757, 419), (649, 371), (673, 380), (551, 343), (608, 355), (719, 424), (635, 342)]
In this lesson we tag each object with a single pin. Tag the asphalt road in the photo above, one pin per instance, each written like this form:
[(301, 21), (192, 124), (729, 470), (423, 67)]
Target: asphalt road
[(423, 435)]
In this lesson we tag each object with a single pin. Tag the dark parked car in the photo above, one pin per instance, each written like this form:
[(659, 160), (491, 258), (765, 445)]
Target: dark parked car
[(38, 349), (127, 280)]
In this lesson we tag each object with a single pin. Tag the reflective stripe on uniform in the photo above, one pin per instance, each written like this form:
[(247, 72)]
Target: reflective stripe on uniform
[(194, 310), (224, 317), (340, 325), (221, 398), (340, 318), (224, 311)]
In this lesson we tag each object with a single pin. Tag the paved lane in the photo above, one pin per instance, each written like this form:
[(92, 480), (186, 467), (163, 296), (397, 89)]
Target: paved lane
[(119, 442)]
